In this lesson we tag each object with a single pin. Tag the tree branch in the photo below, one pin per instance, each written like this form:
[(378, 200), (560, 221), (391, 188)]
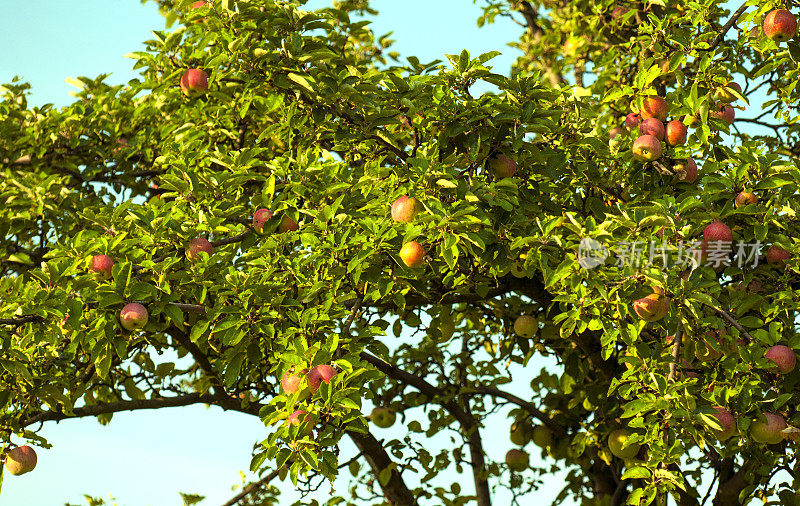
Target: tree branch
[(395, 490), (727, 26)]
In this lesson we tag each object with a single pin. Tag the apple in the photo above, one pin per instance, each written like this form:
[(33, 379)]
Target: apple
[(405, 209), (745, 198), (194, 82), (517, 460), (521, 432), (412, 254), (780, 25), (291, 382), (617, 439), (383, 417), (502, 166), (133, 316), (676, 133), (651, 308), (101, 265), (716, 231), (652, 126), (287, 224), (260, 217), (632, 121), (199, 4), (725, 95), (298, 417), (768, 428), (196, 246), (616, 131), (777, 256), (691, 120), (20, 460), (319, 374), (542, 436), (654, 107), (727, 114), (686, 170), (784, 358), (526, 326), (646, 148), (727, 421)]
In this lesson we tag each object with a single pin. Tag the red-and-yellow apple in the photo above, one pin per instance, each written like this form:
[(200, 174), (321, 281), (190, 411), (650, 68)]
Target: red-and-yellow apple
[(291, 382), (780, 25), (768, 428), (654, 107), (777, 256), (652, 307), (725, 95), (745, 198), (299, 417), (196, 246), (133, 316), (652, 126), (101, 265), (287, 224), (502, 166), (727, 114), (260, 217), (685, 169), (318, 374), (676, 133), (526, 326), (783, 357), (194, 82), (412, 254), (616, 441), (716, 231), (646, 148), (20, 460), (615, 132), (405, 209), (383, 417), (632, 120), (727, 421), (517, 460)]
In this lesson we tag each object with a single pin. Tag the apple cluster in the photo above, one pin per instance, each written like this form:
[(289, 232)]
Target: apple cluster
[(305, 383)]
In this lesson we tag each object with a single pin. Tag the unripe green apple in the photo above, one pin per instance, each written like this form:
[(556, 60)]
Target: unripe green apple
[(521, 432), (542, 436), (287, 224), (502, 166), (383, 417), (517, 460), (617, 439), (768, 428), (526, 326)]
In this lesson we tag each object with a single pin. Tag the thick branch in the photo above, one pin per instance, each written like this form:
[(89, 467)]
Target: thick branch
[(395, 490)]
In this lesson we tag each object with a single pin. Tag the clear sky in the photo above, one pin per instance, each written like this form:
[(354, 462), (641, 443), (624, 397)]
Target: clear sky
[(146, 458)]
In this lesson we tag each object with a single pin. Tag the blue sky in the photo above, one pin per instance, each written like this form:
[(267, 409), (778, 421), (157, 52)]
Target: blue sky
[(146, 458)]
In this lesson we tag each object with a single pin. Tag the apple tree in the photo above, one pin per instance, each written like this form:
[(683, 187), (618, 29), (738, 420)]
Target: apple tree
[(254, 220)]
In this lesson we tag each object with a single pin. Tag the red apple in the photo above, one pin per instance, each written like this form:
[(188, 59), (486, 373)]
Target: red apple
[(651, 308), (405, 209), (745, 198), (646, 148), (725, 95), (686, 170), (526, 326), (102, 265), (20, 460), (654, 107), (319, 374), (133, 316), (196, 246), (260, 217), (652, 126), (632, 120), (194, 82), (727, 114), (291, 383), (502, 166), (517, 460), (412, 254), (716, 231), (383, 417), (784, 358), (676, 133), (298, 417), (287, 224), (777, 256), (615, 132), (768, 428), (780, 25), (728, 423)]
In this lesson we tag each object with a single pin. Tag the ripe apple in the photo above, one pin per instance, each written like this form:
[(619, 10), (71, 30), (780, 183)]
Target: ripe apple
[(133, 316), (780, 25), (728, 423), (319, 374), (196, 246), (287, 224), (654, 107), (745, 198), (517, 460), (521, 432), (542, 436), (676, 133), (784, 358), (194, 82), (291, 382), (716, 231), (686, 170), (727, 114), (725, 95), (412, 254), (652, 126), (383, 417), (768, 428), (102, 264), (405, 209), (777, 256), (260, 217), (298, 417), (502, 166), (632, 120), (615, 132), (20, 460), (526, 326), (646, 148), (651, 308), (617, 439)]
